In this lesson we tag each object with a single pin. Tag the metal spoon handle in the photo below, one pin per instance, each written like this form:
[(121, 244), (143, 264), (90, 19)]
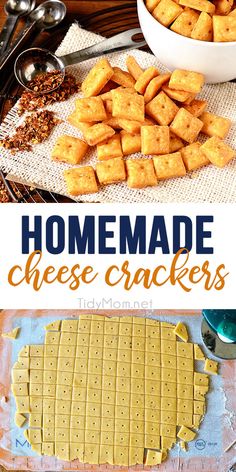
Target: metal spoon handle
[(119, 42), (7, 32), (15, 48)]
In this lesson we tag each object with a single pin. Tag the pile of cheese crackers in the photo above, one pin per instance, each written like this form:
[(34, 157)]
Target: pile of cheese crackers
[(123, 113), (197, 19)]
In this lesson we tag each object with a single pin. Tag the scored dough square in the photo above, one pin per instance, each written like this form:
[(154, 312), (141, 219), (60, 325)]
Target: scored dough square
[(69, 149), (140, 173), (127, 105), (155, 140), (81, 180), (162, 109), (127, 389), (111, 171)]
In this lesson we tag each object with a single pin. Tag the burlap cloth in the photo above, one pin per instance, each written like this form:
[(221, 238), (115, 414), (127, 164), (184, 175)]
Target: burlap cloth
[(208, 184)]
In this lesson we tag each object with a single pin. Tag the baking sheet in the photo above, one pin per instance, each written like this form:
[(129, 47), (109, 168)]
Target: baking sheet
[(205, 451)]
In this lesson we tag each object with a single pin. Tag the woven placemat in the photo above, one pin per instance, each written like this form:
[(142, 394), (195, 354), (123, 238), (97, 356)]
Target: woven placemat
[(208, 184)]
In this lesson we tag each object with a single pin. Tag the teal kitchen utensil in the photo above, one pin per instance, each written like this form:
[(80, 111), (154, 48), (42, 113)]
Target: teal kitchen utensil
[(219, 332)]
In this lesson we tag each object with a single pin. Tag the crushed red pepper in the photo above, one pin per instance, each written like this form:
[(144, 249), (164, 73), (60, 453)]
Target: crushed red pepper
[(45, 82), (35, 129), (30, 101)]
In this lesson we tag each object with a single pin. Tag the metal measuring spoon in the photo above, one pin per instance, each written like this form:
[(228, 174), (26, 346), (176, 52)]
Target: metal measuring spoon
[(35, 61), (14, 9), (45, 16)]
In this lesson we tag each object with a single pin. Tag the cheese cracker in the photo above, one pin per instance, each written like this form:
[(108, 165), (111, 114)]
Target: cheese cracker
[(217, 151), (69, 149), (186, 126), (193, 157), (186, 80), (200, 5), (130, 143), (167, 11), (81, 125), (110, 148), (224, 28), (223, 7), (162, 109), (97, 78), (140, 173), (133, 67), (81, 180), (185, 22), (155, 140), (196, 107), (178, 95), (98, 133), (203, 29), (154, 86), (128, 106), (90, 109), (145, 78), (169, 166), (214, 125), (110, 172), (122, 77)]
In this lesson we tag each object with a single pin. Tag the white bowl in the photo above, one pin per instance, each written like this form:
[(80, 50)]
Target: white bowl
[(217, 61)]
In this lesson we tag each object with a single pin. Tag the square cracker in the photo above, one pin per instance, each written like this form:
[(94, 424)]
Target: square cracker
[(110, 148), (154, 86), (145, 78), (90, 109), (98, 133), (203, 29), (193, 157), (128, 105), (186, 80), (155, 140), (81, 125), (69, 149), (175, 143), (133, 67), (162, 109), (110, 172), (81, 180), (217, 151), (223, 7), (167, 11), (178, 95), (186, 126), (122, 77), (185, 22), (214, 125), (169, 166), (97, 78), (196, 107), (200, 5), (151, 4), (130, 143), (140, 173)]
